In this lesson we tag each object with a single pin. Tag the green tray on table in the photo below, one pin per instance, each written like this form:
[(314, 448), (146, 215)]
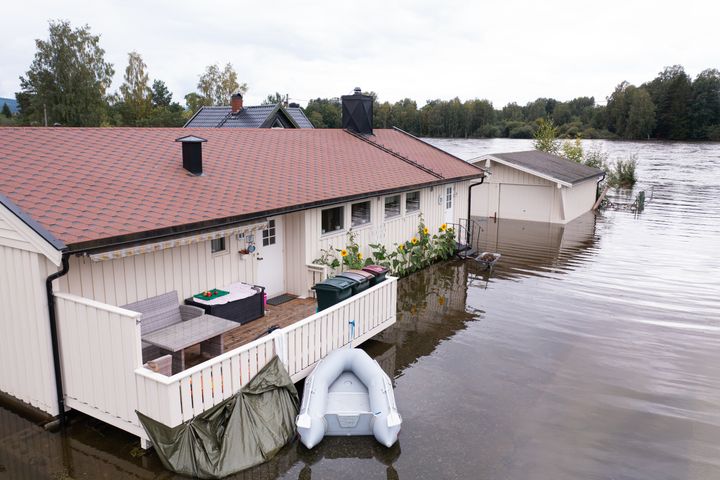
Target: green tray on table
[(215, 294)]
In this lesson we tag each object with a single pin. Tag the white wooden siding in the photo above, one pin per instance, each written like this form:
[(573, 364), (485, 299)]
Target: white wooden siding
[(391, 231), (579, 199), (100, 350), (188, 269), (26, 350)]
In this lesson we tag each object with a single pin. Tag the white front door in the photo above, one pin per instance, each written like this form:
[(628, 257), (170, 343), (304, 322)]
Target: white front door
[(271, 258), (449, 201)]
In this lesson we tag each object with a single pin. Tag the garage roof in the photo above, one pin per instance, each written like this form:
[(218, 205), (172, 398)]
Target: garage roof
[(546, 165)]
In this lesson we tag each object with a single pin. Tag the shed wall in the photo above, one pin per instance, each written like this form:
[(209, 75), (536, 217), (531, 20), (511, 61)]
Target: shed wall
[(579, 199), (502, 194)]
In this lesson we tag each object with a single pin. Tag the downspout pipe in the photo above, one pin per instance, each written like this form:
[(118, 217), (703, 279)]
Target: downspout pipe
[(467, 230), (54, 334)]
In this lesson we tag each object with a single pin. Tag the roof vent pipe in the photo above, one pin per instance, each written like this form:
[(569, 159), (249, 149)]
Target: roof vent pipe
[(236, 102), (192, 153), (357, 112)]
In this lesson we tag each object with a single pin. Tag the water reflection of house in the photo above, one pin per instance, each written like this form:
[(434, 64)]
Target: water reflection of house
[(431, 308), (535, 246)]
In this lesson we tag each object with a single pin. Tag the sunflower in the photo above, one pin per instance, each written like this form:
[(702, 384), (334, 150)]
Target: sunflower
[(343, 253), (359, 256), (401, 247), (426, 231), (414, 240), (443, 227)]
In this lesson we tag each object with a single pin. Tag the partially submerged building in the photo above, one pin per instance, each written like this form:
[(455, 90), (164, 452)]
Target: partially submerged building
[(535, 186)]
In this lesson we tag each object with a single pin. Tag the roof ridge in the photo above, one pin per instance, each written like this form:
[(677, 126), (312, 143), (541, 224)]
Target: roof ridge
[(430, 145), (395, 154)]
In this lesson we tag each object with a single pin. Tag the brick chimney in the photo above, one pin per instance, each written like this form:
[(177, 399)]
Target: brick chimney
[(236, 102)]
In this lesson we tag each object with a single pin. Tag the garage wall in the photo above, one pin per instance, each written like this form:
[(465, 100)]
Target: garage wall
[(579, 199), (486, 198)]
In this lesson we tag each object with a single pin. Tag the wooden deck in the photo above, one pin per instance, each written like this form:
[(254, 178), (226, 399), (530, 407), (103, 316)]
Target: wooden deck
[(276, 315)]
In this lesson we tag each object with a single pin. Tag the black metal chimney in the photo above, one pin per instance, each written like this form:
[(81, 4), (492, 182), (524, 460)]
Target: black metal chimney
[(357, 112), (192, 153)]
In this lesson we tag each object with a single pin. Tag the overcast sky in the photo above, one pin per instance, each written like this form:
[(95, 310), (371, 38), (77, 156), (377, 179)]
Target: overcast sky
[(501, 50)]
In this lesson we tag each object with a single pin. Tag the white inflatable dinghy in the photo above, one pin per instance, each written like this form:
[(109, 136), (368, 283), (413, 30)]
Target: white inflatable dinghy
[(348, 394)]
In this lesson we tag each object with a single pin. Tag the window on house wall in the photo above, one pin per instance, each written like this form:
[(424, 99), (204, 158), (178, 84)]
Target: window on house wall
[(333, 219), (268, 235), (392, 206), (360, 214), (217, 245), (448, 197), (412, 202)]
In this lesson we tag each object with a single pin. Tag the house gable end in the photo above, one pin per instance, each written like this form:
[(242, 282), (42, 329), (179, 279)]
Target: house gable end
[(17, 230)]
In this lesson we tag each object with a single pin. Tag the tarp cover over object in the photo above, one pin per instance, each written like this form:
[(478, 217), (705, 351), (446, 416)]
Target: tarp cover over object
[(246, 429)]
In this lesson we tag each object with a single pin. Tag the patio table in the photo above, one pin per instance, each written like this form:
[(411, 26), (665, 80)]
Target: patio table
[(207, 330)]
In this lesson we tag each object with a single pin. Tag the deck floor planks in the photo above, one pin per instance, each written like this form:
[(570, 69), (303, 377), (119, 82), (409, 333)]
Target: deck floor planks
[(281, 315)]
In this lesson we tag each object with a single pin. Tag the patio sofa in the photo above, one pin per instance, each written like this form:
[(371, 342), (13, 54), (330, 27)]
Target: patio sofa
[(160, 312)]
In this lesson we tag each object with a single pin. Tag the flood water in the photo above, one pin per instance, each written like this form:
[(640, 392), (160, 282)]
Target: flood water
[(590, 352)]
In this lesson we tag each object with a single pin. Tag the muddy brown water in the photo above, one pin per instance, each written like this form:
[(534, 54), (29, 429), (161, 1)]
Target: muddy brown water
[(590, 351)]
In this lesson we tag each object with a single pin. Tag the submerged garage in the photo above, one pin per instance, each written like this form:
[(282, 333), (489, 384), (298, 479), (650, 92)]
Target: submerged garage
[(534, 186)]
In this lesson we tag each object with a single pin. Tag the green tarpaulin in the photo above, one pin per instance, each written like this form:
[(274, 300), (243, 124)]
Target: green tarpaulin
[(244, 430)]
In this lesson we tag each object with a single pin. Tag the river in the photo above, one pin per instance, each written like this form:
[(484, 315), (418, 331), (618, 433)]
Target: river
[(589, 352)]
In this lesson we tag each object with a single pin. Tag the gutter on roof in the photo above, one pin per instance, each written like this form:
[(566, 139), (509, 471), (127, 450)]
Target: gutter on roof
[(112, 243), (30, 222)]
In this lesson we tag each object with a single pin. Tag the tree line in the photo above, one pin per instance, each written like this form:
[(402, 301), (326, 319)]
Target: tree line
[(672, 106), (69, 80)]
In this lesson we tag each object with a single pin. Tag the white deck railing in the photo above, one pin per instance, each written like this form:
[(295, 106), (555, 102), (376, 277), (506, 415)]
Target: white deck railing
[(99, 352), (116, 385)]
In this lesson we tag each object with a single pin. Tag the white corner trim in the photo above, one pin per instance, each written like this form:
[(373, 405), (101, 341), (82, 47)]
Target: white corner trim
[(37, 243)]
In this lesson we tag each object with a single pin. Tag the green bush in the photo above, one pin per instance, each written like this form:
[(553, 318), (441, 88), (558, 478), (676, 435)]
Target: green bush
[(622, 174)]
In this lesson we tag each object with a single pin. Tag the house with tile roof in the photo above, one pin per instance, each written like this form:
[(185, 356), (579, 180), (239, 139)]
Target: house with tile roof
[(236, 115), (535, 186), (96, 219)]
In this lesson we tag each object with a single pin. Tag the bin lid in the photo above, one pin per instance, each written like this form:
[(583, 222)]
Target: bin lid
[(334, 283), (355, 277), (365, 274), (376, 269)]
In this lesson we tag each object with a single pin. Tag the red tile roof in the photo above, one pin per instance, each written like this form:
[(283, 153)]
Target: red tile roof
[(423, 153), (87, 184)]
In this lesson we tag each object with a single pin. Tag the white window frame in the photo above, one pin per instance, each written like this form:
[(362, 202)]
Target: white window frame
[(343, 228), (370, 218), (417, 210), (400, 207), (225, 245)]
